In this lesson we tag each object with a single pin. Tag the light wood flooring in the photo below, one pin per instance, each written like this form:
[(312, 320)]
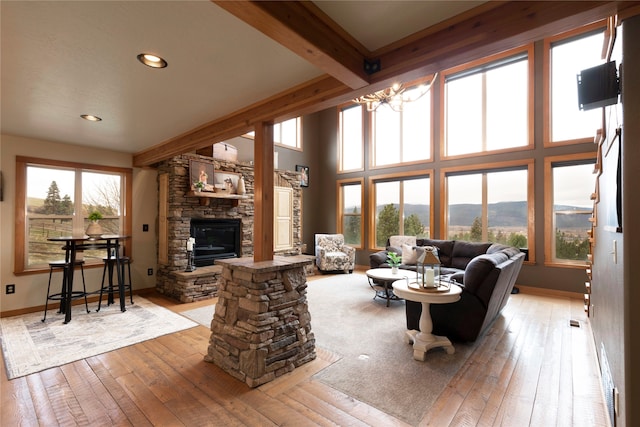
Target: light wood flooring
[(532, 369)]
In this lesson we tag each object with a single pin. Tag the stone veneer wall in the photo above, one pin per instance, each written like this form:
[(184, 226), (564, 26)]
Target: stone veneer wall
[(261, 327), (170, 280)]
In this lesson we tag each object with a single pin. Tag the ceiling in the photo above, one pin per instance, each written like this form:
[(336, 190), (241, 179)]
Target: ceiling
[(61, 59)]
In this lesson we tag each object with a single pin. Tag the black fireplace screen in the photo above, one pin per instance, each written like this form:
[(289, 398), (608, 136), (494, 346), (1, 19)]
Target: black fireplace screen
[(215, 239)]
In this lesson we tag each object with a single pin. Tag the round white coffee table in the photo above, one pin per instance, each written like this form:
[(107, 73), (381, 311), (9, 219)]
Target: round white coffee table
[(385, 277), (424, 340)]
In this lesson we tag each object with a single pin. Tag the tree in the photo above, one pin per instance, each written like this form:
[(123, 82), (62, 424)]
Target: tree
[(103, 198), (476, 230), (54, 204), (352, 228), (413, 226), (517, 240), (388, 224)]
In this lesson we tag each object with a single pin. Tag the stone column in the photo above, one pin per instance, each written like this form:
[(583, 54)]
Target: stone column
[(261, 327)]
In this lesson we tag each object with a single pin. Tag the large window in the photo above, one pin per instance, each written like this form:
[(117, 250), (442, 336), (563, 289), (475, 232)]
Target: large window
[(490, 205), (401, 205), (403, 136), (351, 197), (350, 138), (288, 133), (487, 106), (285, 134), (565, 56), (569, 183), (55, 198)]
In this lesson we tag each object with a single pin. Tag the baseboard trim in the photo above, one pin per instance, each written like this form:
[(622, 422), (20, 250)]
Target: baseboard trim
[(532, 290)]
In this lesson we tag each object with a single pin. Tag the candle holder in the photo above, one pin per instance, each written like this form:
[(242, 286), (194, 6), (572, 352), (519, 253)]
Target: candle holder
[(428, 269), (190, 265)]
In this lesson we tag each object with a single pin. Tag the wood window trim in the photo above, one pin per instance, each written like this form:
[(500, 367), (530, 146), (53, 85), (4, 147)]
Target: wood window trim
[(340, 206), (371, 182), (22, 162), (489, 168), (548, 205), (546, 82), (529, 49)]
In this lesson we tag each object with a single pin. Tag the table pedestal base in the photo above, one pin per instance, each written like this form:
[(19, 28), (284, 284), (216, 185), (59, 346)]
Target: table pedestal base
[(425, 342)]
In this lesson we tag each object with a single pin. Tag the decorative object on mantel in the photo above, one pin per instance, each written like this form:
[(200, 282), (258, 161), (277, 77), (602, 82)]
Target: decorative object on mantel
[(190, 264), (240, 188), (198, 186), (94, 230), (395, 96)]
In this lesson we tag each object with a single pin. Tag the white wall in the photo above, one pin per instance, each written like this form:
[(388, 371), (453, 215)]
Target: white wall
[(31, 288)]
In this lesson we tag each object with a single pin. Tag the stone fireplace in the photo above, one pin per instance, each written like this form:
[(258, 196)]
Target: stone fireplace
[(180, 208)]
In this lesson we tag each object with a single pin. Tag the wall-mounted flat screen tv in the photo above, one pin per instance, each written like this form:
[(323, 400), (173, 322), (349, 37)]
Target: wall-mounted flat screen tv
[(598, 86)]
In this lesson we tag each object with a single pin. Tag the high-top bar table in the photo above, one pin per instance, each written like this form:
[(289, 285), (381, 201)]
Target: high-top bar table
[(72, 244)]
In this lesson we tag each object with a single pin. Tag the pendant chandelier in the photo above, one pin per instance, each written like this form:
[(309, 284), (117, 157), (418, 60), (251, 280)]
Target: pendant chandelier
[(395, 96)]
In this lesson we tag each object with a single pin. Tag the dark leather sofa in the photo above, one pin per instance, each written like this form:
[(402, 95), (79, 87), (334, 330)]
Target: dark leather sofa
[(486, 272)]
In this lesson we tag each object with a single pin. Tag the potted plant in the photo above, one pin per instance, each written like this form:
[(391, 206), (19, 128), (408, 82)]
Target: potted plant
[(94, 229), (394, 261), (199, 186)]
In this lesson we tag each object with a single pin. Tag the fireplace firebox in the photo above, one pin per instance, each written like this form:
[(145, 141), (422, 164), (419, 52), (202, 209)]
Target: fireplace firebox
[(215, 239)]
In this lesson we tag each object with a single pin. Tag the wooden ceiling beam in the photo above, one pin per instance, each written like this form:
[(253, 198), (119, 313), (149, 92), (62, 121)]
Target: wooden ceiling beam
[(307, 31)]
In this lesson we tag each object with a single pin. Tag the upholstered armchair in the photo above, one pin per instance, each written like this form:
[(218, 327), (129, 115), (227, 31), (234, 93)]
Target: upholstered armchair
[(332, 254)]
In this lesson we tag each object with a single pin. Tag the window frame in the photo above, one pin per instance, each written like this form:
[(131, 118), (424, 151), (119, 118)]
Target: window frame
[(372, 180), (529, 51), (549, 231), (22, 162), (548, 43), (527, 164), (340, 184), (340, 151), (371, 127)]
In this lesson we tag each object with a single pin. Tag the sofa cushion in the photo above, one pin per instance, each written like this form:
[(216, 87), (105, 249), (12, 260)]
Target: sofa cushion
[(463, 252), (508, 250), (445, 249), (377, 259), (478, 270)]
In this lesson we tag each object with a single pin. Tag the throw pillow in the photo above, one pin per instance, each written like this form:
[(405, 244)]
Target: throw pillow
[(402, 240), (410, 255)]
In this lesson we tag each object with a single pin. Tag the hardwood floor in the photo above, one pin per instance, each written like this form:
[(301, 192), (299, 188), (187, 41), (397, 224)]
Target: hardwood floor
[(530, 369)]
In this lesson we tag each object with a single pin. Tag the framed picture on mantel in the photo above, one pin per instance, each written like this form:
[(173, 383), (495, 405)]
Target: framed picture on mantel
[(201, 172), (304, 170)]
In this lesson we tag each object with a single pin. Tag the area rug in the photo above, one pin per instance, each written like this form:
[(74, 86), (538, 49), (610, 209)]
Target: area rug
[(202, 315), (30, 346), (376, 366)]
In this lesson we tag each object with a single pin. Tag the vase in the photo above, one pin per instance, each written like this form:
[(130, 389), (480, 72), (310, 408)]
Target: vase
[(241, 188), (394, 269), (94, 229)]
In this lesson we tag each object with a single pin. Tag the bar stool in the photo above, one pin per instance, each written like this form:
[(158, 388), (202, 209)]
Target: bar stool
[(64, 266), (110, 265)]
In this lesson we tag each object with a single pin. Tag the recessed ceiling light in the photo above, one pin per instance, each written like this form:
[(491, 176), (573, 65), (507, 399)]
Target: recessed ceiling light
[(91, 117), (151, 60)]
